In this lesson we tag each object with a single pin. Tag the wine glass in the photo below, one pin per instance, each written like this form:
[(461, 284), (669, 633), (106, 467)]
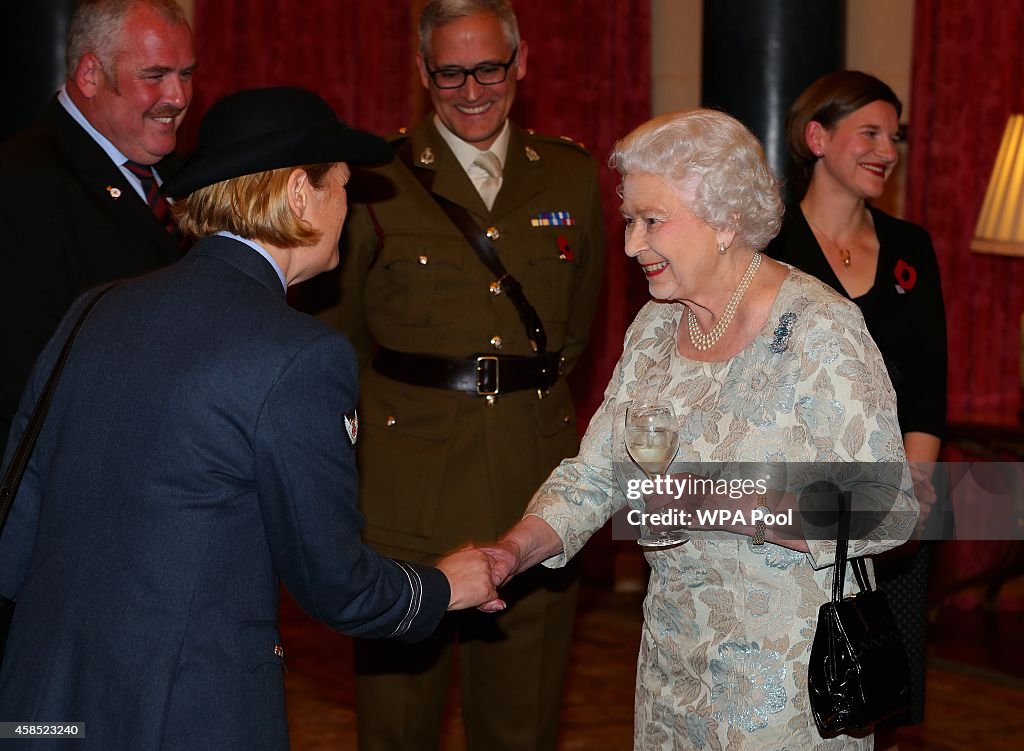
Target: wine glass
[(652, 439)]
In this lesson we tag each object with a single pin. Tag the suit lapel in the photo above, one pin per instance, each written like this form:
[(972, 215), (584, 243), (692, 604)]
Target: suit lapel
[(522, 177), (105, 182), (430, 152)]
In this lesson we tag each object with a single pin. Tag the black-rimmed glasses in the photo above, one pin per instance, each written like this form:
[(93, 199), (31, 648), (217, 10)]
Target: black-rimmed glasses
[(486, 74)]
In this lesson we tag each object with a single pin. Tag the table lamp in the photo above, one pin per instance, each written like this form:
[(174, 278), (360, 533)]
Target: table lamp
[(1000, 228)]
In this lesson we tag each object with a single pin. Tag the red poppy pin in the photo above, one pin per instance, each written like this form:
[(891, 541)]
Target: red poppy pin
[(564, 249), (906, 276)]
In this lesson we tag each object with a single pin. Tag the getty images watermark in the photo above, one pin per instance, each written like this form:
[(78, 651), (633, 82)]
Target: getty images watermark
[(677, 488), (962, 500)]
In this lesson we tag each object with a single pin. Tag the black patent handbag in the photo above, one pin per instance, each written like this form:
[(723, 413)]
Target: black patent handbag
[(19, 459), (858, 673)]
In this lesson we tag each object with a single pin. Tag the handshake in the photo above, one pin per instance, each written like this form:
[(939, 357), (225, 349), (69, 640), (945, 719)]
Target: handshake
[(475, 573)]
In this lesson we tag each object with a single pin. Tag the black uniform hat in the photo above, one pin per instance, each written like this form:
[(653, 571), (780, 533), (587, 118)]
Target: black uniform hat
[(265, 129)]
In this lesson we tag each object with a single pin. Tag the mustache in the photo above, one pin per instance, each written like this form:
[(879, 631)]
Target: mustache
[(166, 110)]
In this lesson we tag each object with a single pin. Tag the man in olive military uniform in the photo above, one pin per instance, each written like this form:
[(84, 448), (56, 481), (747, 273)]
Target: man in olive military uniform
[(464, 412)]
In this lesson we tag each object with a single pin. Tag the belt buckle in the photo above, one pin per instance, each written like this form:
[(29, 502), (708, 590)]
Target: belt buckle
[(482, 375)]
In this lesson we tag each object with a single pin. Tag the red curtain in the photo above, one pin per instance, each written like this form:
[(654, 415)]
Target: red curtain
[(588, 78), (354, 54), (968, 77)]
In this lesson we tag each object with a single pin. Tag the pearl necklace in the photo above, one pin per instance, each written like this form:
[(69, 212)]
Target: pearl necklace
[(703, 342)]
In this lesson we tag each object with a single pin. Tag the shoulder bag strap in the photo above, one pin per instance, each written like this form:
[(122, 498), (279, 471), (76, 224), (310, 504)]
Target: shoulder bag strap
[(19, 460), (485, 250)]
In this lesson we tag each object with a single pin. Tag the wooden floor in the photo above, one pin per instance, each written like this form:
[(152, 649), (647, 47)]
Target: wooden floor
[(975, 681)]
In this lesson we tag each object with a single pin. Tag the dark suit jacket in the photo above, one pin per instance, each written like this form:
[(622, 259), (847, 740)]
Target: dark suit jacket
[(61, 233), (412, 283), (195, 452)]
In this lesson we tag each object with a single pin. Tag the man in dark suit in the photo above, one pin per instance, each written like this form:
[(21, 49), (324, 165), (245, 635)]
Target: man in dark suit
[(465, 411), (72, 214), (199, 448)]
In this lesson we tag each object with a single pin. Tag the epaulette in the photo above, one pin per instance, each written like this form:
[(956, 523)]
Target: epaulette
[(396, 138), (561, 140)]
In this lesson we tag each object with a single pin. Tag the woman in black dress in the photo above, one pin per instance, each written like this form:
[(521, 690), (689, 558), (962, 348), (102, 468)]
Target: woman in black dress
[(842, 133)]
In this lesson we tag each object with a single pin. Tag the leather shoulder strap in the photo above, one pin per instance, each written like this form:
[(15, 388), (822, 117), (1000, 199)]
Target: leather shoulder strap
[(20, 457), (484, 250)]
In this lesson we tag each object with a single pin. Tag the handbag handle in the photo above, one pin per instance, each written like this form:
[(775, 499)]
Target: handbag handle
[(860, 571), (19, 460)]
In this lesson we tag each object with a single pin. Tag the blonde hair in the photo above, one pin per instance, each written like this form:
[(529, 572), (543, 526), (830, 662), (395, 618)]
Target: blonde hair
[(713, 156), (252, 206)]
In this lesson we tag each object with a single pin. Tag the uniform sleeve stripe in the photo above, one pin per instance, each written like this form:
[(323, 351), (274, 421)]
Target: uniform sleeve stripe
[(415, 598)]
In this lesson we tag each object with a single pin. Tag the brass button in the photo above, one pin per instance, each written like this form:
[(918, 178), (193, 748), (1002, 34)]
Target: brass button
[(496, 342), (567, 419), (423, 260), (390, 421), (279, 651), (492, 233), (495, 288)]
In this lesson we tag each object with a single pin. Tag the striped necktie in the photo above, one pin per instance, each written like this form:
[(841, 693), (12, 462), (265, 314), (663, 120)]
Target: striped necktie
[(157, 203)]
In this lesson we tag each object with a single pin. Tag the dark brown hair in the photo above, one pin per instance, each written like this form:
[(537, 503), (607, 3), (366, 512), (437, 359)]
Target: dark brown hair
[(827, 101)]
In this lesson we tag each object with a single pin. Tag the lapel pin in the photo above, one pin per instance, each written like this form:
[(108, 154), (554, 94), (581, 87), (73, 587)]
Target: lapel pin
[(532, 155), (427, 157), (115, 193)]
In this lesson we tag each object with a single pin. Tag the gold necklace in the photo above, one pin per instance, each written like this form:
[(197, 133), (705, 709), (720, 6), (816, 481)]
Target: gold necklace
[(844, 254), (703, 342)]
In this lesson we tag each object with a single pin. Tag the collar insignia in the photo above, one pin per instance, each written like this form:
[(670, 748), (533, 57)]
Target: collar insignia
[(427, 157)]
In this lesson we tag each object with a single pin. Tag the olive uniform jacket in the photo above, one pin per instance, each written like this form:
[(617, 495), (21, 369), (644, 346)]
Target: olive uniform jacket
[(439, 467)]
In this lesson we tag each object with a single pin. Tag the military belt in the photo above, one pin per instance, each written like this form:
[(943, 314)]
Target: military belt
[(483, 375)]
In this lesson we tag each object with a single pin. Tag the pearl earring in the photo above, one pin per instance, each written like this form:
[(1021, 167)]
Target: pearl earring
[(721, 248)]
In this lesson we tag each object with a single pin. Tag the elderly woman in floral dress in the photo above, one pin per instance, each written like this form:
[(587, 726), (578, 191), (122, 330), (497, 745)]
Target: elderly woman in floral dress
[(762, 363)]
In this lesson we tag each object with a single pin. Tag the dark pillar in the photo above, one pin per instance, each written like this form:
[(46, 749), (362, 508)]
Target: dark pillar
[(760, 54), (31, 58)]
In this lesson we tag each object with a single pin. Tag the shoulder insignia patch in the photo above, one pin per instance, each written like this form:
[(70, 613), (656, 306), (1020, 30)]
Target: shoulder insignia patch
[(351, 420)]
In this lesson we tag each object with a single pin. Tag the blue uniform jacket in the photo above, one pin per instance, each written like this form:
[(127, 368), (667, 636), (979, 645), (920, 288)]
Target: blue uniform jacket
[(195, 454)]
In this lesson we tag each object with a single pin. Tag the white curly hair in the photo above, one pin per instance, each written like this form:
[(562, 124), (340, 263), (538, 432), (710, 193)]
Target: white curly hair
[(712, 157)]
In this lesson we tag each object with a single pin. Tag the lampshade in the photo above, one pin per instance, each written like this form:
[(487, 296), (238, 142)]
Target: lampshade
[(1000, 227)]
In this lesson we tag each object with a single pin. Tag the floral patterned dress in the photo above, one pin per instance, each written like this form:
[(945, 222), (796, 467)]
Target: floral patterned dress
[(728, 625)]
